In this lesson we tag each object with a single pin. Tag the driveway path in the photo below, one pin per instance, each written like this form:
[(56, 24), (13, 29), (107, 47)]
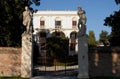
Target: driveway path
[(53, 77)]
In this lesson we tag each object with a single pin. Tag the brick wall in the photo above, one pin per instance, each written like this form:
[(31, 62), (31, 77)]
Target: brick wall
[(10, 61), (101, 63), (104, 62)]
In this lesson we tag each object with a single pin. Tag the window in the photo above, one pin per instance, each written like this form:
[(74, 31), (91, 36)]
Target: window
[(42, 23), (42, 40), (72, 45), (57, 23), (74, 23), (73, 35)]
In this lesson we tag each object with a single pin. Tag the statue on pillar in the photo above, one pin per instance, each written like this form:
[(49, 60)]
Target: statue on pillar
[(27, 20), (81, 22), (82, 45), (27, 45)]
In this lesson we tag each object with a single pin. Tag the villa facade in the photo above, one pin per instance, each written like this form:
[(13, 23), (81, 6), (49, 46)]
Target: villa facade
[(48, 23)]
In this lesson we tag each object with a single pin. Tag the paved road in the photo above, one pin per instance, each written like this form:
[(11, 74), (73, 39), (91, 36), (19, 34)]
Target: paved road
[(50, 72), (53, 77), (56, 71), (52, 68)]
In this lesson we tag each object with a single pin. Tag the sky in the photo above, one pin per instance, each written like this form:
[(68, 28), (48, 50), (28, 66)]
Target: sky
[(96, 11)]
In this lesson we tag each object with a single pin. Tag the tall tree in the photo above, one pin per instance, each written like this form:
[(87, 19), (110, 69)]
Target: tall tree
[(117, 1), (92, 39), (113, 21), (11, 26), (103, 37)]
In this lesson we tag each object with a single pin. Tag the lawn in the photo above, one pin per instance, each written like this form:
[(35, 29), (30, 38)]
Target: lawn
[(12, 78), (105, 78)]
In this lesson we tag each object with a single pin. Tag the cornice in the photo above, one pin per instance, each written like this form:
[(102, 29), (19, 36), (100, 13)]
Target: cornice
[(56, 13)]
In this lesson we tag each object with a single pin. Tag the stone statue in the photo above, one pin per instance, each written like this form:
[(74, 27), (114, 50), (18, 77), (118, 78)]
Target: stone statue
[(27, 45), (81, 22), (27, 19), (82, 46)]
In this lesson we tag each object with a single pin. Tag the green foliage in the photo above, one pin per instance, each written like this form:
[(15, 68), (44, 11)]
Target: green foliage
[(91, 39), (114, 22), (10, 22), (69, 61), (103, 37), (11, 26), (29, 2), (57, 47), (117, 2)]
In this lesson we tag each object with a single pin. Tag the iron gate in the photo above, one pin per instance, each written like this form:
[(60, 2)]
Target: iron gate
[(46, 66)]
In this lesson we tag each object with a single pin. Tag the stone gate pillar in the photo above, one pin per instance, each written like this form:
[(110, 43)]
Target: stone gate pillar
[(83, 57), (82, 45), (27, 44), (26, 60)]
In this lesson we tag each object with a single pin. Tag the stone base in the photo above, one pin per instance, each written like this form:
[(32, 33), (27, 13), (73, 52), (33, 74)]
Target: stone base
[(26, 60), (83, 57), (81, 76)]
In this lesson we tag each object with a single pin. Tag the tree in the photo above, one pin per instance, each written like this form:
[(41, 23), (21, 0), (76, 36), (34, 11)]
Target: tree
[(91, 39), (11, 26), (117, 1), (103, 37), (57, 47), (113, 21)]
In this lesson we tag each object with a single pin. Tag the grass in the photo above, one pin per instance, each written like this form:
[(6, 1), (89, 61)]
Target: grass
[(12, 78), (65, 64), (84, 78), (105, 78)]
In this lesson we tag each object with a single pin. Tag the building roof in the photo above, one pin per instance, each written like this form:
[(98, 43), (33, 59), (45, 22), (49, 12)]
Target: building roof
[(52, 12)]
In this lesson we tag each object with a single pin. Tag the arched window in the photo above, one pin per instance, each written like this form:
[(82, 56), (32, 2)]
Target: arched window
[(42, 22), (57, 22), (42, 41), (74, 22), (73, 36)]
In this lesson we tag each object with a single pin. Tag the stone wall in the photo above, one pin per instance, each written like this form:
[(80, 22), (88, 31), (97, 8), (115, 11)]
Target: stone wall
[(104, 62), (10, 61), (101, 63)]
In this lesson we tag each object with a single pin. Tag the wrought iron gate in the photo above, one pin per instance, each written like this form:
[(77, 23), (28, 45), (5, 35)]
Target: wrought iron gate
[(47, 66)]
